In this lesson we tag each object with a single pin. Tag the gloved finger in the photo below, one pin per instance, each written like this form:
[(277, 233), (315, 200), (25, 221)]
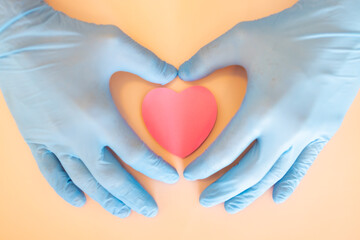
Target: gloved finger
[(248, 196), (84, 180), (229, 145), (286, 185), (115, 179), (56, 176), (249, 171), (144, 63), (129, 147), (142, 159), (218, 54)]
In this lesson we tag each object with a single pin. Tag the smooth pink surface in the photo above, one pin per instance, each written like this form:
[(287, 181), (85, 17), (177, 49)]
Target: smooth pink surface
[(180, 122)]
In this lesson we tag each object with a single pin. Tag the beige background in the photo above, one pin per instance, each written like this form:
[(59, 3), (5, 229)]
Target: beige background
[(325, 206)]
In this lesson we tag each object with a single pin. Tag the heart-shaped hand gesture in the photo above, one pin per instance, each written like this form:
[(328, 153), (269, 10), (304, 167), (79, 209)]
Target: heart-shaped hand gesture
[(304, 71)]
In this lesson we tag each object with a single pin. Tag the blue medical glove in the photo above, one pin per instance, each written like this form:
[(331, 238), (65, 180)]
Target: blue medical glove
[(54, 75), (303, 68)]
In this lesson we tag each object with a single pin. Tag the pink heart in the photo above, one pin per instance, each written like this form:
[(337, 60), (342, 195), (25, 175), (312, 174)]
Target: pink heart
[(180, 122)]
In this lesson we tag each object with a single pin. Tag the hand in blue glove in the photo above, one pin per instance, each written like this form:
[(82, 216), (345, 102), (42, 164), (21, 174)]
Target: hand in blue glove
[(303, 69), (54, 74)]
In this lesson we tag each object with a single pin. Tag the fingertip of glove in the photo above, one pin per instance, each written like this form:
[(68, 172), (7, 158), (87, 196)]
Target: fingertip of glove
[(73, 195), (169, 73), (205, 202), (188, 176), (278, 200), (122, 212), (79, 200), (281, 193), (172, 178), (150, 213), (232, 208), (184, 71)]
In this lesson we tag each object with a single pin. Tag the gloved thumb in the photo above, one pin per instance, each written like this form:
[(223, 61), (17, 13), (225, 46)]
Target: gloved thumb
[(222, 52)]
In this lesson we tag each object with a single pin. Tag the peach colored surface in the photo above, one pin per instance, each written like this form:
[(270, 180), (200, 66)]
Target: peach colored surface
[(325, 206)]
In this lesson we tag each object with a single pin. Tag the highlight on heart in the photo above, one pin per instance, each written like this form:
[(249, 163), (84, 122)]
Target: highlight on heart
[(180, 122)]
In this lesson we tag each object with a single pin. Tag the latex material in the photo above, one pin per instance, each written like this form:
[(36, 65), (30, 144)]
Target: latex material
[(303, 68), (180, 122), (54, 74)]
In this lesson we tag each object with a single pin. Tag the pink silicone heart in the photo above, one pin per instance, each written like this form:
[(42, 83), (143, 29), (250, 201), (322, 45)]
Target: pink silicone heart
[(180, 122)]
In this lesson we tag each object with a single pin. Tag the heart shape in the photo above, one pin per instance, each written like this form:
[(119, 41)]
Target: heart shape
[(228, 85), (180, 122)]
